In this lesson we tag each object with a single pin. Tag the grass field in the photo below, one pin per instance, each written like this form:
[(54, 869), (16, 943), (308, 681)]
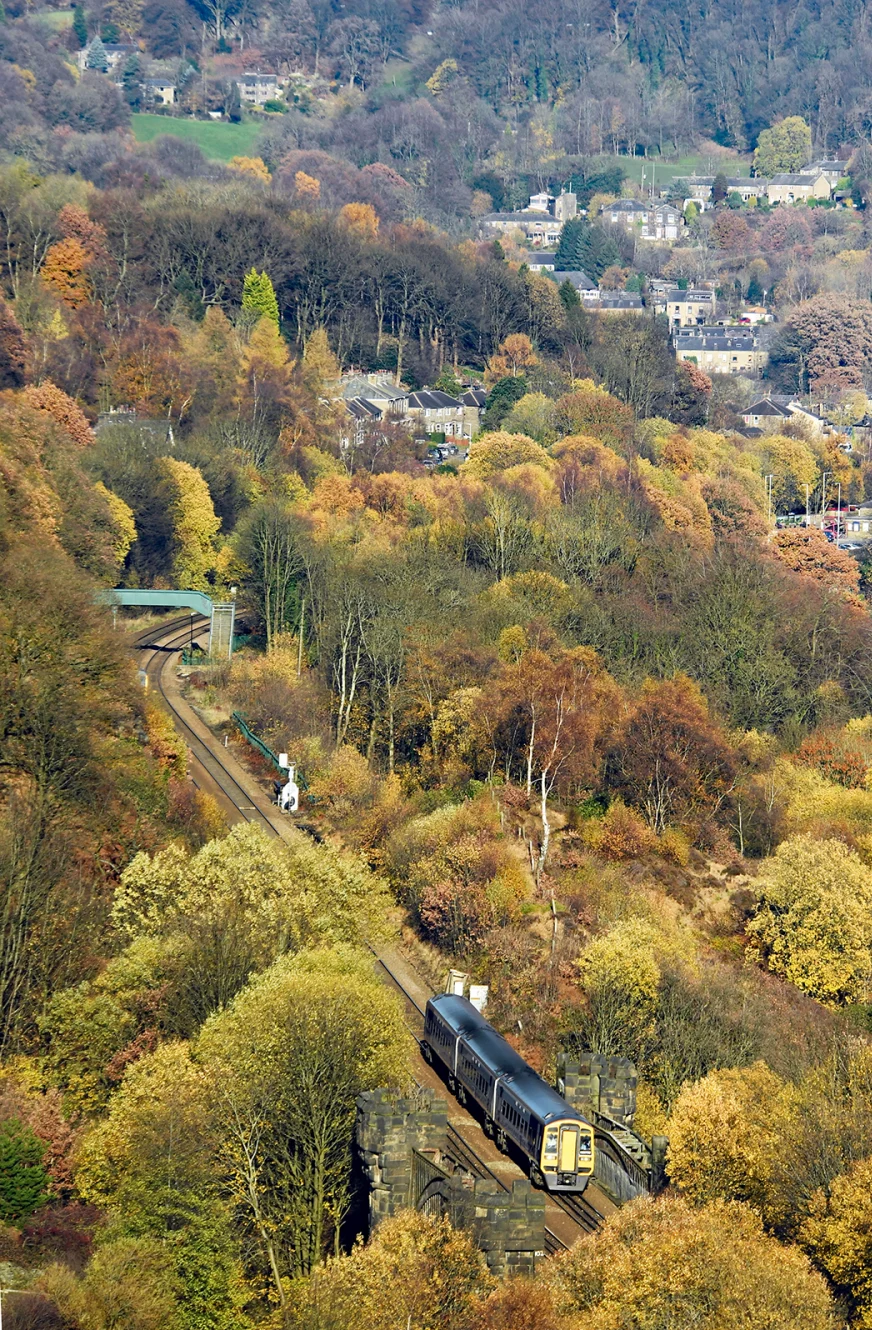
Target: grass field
[(58, 19), (215, 139), (664, 172)]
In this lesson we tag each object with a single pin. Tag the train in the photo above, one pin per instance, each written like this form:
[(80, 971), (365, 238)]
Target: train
[(518, 1106)]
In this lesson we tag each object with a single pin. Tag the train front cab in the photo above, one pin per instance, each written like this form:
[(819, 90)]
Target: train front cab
[(566, 1161)]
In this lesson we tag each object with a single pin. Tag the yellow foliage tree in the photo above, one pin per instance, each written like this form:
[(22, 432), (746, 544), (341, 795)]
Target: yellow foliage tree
[(620, 975), (319, 360), (665, 1263), (498, 451), (416, 1273), (814, 920), (123, 522), (361, 219), (252, 166), (194, 522), (726, 1133), (284, 896), (307, 188), (838, 1237), (266, 347), (287, 1061), (65, 272), (515, 354)]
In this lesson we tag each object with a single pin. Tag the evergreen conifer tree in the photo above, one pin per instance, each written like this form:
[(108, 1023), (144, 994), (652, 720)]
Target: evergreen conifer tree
[(80, 26), (97, 57), (23, 1177), (259, 297), (131, 82)]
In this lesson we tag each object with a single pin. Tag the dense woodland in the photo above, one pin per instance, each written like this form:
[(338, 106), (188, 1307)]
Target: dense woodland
[(579, 675)]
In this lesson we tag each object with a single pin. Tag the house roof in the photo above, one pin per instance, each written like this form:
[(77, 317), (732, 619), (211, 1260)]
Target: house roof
[(540, 259), (576, 278), (676, 296), (766, 407), (703, 341), (358, 385), (360, 409), (620, 300), (840, 166), (732, 332), (474, 397), (786, 178), (626, 205), (432, 398)]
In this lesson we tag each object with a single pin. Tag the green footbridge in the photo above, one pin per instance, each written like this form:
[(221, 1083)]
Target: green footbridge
[(221, 614)]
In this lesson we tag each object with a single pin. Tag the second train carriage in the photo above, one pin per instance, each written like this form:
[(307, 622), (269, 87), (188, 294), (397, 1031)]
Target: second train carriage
[(519, 1106)]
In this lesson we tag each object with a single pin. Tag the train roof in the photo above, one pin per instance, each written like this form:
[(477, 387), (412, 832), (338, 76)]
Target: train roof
[(459, 1012), (498, 1055), (539, 1097)]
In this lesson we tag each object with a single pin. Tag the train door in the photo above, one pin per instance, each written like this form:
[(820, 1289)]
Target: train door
[(567, 1161)]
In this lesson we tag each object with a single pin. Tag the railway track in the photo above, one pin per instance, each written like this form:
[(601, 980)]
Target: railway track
[(578, 1208), (162, 644), (212, 773)]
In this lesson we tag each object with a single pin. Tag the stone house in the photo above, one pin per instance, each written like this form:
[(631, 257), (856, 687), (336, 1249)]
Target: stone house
[(686, 309), (159, 91), (660, 221), (720, 350), (833, 171), (257, 88), (433, 412), (798, 188), (538, 229)]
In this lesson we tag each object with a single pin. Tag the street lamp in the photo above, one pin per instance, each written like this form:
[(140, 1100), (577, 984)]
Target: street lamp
[(769, 480), (824, 478), (807, 495)]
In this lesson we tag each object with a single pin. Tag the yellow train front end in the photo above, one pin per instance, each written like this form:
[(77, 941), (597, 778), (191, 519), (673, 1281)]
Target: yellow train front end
[(567, 1154)]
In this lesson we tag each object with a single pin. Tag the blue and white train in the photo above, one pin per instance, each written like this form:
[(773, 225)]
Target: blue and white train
[(518, 1105)]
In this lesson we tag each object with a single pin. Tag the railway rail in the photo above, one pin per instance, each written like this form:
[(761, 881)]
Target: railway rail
[(162, 644), (579, 1209), (214, 774)]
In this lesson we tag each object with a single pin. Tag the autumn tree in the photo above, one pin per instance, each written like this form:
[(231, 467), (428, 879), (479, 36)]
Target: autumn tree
[(592, 411), (251, 166), (786, 146), (515, 354), (807, 551), (51, 399), (726, 1135), (814, 919), (665, 1262), (563, 701), (672, 760), (836, 1235), (259, 298), (494, 452), (267, 542), (834, 335), (415, 1272), (361, 219), (287, 1060), (194, 523), (620, 973)]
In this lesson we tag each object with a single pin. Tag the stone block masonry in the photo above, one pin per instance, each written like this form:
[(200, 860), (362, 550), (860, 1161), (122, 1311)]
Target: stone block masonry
[(595, 1083), (402, 1148)]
